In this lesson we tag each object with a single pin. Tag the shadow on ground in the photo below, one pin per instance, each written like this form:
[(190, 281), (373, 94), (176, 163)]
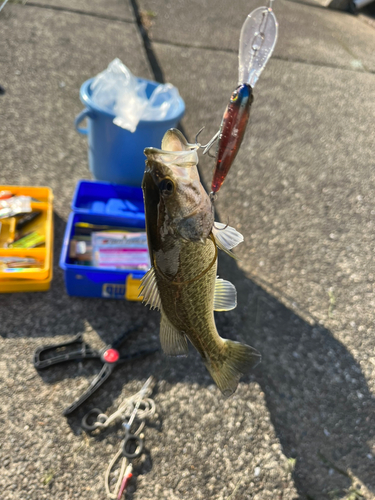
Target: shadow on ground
[(317, 396)]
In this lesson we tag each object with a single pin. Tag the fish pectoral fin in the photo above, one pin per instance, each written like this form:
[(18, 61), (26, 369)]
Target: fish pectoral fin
[(225, 297), (173, 342), (149, 290), (236, 360), (226, 237)]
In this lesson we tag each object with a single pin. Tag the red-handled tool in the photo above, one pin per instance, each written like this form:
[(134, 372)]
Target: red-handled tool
[(127, 476)]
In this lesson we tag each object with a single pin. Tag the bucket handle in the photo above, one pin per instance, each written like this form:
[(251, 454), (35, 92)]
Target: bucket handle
[(85, 113)]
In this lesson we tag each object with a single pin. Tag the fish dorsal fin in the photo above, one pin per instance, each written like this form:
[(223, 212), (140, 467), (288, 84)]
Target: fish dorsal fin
[(149, 290), (226, 237), (225, 298), (173, 342)]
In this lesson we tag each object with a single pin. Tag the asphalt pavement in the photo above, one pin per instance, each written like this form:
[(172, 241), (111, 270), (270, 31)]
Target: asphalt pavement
[(302, 424)]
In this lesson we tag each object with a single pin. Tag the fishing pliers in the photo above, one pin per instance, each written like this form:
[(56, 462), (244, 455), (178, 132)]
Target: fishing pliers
[(78, 350)]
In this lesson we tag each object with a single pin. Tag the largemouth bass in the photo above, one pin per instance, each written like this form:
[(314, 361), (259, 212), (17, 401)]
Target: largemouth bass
[(182, 282)]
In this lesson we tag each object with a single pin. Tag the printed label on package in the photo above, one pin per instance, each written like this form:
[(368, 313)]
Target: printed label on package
[(113, 291)]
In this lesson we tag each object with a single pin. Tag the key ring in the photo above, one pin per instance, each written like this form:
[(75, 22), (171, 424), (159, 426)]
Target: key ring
[(133, 412), (99, 421), (131, 441)]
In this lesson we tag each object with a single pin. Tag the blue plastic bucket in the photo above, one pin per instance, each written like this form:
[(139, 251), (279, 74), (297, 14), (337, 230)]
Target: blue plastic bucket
[(115, 154)]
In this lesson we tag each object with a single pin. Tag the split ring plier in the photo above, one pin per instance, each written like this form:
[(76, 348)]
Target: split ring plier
[(77, 350)]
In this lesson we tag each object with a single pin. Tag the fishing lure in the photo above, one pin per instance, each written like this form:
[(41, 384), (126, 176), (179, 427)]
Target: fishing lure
[(257, 41)]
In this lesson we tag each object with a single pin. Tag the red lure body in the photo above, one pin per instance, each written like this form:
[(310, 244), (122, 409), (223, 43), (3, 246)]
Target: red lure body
[(232, 129)]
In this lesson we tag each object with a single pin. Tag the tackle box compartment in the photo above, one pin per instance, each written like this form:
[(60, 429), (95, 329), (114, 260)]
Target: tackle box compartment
[(114, 201), (103, 204), (32, 279), (21, 285)]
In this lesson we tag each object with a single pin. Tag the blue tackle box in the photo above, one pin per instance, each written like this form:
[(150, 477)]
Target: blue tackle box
[(103, 204)]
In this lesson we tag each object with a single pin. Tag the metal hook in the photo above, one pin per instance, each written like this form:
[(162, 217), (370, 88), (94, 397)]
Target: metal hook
[(211, 155), (213, 197), (221, 228), (210, 143), (206, 147), (196, 138)]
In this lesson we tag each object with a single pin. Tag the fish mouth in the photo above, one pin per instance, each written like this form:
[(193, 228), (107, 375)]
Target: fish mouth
[(186, 159), (180, 166), (175, 150), (171, 184)]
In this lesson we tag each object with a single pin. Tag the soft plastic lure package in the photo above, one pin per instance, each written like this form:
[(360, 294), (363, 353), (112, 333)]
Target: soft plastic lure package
[(14, 205), (120, 250)]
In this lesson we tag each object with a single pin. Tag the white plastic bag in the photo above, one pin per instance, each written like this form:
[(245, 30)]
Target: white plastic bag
[(163, 101), (129, 107), (117, 90)]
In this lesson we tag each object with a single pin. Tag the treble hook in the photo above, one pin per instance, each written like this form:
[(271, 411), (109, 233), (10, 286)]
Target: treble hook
[(196, 138), (206, 147)]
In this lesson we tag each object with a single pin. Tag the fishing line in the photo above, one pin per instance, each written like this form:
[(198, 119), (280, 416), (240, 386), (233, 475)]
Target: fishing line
[(139, 406), (3, 5)]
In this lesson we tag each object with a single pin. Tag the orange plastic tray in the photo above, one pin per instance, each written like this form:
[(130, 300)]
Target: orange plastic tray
[(43, 224)]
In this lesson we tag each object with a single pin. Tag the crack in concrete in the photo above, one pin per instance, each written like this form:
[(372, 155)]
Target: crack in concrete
[(150, 53), (151, 56), (277, 57), (78, 11)]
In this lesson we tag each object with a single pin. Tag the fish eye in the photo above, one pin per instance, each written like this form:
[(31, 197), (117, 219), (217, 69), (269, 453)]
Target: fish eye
[(234, 96), (166, 186)]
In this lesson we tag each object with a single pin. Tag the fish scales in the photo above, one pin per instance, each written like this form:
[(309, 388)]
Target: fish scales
[(188, 299)]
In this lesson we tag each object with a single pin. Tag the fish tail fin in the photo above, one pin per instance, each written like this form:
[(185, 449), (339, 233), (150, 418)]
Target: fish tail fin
[(236, 360)]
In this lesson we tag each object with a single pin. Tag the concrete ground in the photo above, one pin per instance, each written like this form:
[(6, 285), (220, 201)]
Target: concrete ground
[(301, 425)]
